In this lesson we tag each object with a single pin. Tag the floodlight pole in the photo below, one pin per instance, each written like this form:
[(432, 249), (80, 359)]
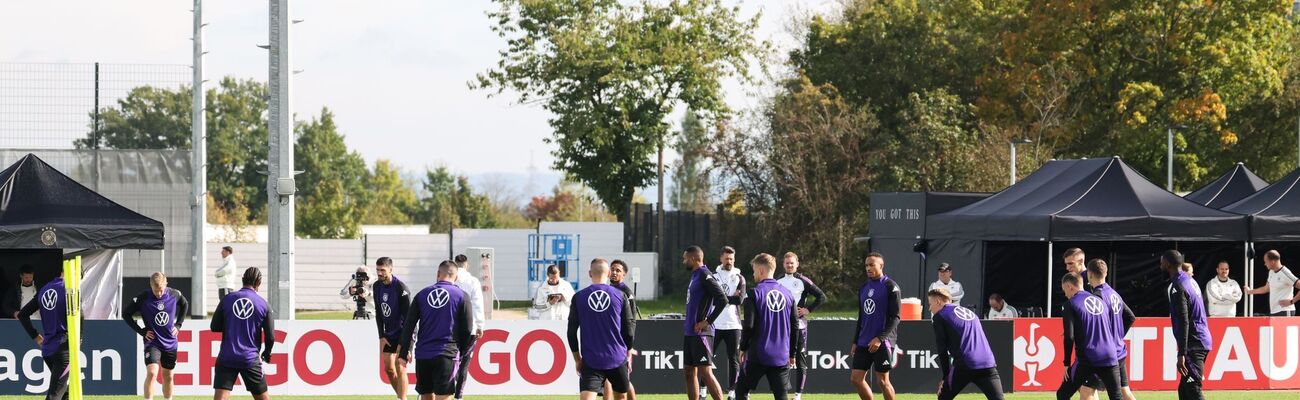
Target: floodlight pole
[(199, 177), (280, 180)]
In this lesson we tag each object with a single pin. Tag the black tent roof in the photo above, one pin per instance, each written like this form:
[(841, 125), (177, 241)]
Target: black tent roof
[(1274, 210), (42, 208), (1235, 185), (1097, 199)]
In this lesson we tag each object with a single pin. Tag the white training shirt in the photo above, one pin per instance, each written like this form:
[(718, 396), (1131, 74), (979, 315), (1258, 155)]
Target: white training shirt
[(1281, 285), (1222, 297), (27, 293), (228, 274), (1008, 312), (559, 311), (730, 282), (954, 289), (474, 292)]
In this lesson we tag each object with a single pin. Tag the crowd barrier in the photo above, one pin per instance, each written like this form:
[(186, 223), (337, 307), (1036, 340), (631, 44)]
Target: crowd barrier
[(532, 357)]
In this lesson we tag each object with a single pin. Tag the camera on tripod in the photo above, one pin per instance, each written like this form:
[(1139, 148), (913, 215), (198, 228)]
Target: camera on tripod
[(358, 291)]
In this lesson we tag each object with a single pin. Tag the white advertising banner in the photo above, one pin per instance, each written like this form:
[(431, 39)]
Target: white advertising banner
[(342, 358)]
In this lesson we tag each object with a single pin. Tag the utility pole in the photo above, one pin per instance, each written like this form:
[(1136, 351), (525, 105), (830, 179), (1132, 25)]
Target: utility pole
[(199, 171), (280, 180)]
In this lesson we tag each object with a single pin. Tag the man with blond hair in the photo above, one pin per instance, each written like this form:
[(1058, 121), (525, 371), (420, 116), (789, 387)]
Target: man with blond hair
[(163, 310)]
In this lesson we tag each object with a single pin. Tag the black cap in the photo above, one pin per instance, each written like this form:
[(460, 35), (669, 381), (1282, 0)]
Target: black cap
[(944, 267)]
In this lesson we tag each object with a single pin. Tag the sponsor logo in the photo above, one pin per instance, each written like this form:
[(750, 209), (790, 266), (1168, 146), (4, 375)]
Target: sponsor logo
[(438, 298), (598, 301), (161, 319), (1033, 354), (50, 299), (1116, 303), (243, 308), (869, 306), (1094, 305), (775, 301), (963, 313), (383, 307)]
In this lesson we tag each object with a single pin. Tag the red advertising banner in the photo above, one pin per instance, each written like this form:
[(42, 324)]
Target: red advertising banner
[(1249, 353)]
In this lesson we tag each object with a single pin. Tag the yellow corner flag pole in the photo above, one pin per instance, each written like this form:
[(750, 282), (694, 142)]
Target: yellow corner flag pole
[(72, 287)]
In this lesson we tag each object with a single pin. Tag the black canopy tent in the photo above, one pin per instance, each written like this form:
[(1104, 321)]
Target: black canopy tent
[(1274, 213), (1235, 185), (898, 224), (44, 212), (41, 208), (1095, 202)]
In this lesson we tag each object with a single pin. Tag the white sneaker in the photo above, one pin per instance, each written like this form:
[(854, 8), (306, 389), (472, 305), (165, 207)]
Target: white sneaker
[(731, 395), (797, 395)]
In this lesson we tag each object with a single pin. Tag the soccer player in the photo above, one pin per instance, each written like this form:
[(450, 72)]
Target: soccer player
[(1086, 325), (603, 317), (727, 328), (474, 295), (958, 335), (51, 301), (877, 329), (770, 333), (617, 279), (802, 288), (1076, 263), (445, 322), (1191, 331), (392, 301), (163, 310), (704, 303), (245, 322), (1121, 318)]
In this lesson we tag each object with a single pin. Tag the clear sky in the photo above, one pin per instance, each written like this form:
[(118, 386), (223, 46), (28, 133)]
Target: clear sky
[(393, 72)]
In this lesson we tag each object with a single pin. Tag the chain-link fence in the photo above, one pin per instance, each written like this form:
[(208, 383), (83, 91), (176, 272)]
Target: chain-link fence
[(49, 106)]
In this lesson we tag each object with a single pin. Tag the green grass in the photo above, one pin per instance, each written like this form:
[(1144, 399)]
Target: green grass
[(1224, 395)]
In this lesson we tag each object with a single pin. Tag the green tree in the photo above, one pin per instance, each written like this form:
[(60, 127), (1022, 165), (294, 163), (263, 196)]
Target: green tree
[(1132, 69), (569, 201), (611, 72), (450, 202), (391, 201), (691, 185), (159, 118), (333, 178)]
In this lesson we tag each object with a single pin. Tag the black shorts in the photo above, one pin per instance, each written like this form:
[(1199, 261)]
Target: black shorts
[(436, 376), (883, 360), (391, 347), (1123, 372), (593, 380), (697, 351), (165, 359), (254, 381)]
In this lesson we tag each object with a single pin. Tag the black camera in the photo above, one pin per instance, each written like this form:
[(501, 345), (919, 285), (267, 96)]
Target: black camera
[(358, 292)]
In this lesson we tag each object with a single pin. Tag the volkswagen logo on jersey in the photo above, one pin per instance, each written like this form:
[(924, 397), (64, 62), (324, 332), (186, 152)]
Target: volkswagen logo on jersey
[(243, 308), (598, 301), (438, 298), (775, 301), (1116, 303), (963, 313), (869, 306), (1094, 306), (383, 307), (49, 299), (160, 319)]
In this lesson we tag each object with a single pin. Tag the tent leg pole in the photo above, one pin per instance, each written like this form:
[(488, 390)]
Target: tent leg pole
[(1048, 311), (1249, 264)]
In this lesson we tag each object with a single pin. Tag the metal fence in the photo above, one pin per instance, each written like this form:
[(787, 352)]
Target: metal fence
[(50, 105)]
